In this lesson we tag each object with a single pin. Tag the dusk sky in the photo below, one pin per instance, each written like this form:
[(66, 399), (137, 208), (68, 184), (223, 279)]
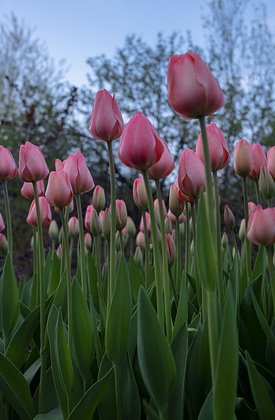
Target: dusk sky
[(75, 30)]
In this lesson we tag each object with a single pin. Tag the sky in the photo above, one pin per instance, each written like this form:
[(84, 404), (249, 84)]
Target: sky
[(74, 30)]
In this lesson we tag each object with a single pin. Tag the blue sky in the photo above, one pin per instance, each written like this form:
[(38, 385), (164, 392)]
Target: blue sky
[(77, 29)]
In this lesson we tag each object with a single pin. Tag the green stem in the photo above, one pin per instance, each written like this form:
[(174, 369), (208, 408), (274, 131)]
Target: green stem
[(271, 274), (165, 269), (81, 246), (8, 219), (178, 256), (66, 250), (187, 240), (257, 192), (233, 236), (212, 332), (157, 259), (246, 216), (118, 389), (218, 233), (42, 304), (146, 250), (112, 260)]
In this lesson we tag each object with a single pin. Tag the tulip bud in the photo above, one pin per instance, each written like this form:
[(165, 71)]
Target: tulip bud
[(27, 190), (164, 166), (121, 214), (106, 224), (59, 190), (242, 231), (261, 226), (171, 248), (3, 244), (8, 168), (168, 225), (224, 240), (140, 240), (148, 222), (266, 183), (176, 200), (95, 225), (88, 241), (191, 177), (2, 224), (32, 164), (99, 199), (131, 227), (173, 218), (59, 251), (45, 212), (258, 161), (80, 176), (139, 194), (53, 230), (156, 209), (73, 226), (242, 158), (138, 257), (218, 149), (229, 218)]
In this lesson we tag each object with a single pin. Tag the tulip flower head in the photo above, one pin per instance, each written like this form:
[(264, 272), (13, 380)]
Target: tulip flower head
[(259, 161), (59, 190), (218, 148), (32, 164), (271, 161), (242, 159), (99, 199), (45, 213), (191, 178), (8, 168), (27, 190), (79, 174), (2, 224), (139, 194), (164, 166), (176, 200), (121, 214), (261, 226)]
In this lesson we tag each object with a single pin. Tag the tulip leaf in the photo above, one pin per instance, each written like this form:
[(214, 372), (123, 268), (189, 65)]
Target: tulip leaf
[(265, 407), (155, 357), (82, 331), (131, 399), (55, 414), (10, 306), (87, 405), (225, 391), (55, 274), (136, 278), (118, 322), (15, 389)]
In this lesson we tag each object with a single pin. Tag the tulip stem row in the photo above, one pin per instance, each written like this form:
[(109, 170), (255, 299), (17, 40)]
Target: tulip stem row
[(246, 215), (81, 245), (218, 233), (8, 218), (146, 250)]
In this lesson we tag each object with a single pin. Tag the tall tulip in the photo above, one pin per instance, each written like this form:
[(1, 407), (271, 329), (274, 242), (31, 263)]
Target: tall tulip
[(191, 178), (258, 161), (32, 164), (79, 174), (139, 194), (45, 213), (218, 148), (27, 190), (59, 190), (261, 226), (242, 159), (8, 168)]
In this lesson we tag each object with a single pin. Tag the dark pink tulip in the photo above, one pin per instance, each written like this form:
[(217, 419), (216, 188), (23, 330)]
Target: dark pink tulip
[(261, 226), (242, 159), (87, 220), (2, 224), (191, 178), (121, 214), (176, 200), (193, 91), (271, 161), (99, 199), (59, 190), (258, 161), (32, 164), (218, 148), (79, 174), (164, 166), (139, 194), (140, 147), (28, 192), (45, 212), (106, 122), (8, 168)]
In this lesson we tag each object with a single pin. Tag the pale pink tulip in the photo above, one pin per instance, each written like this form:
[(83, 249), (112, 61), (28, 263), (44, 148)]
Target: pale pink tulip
[(191, 178), (261, 226), (59, 190), (8, 168), (242, 158), (45, 212), (79, 174), (218, 148), (32, 164)]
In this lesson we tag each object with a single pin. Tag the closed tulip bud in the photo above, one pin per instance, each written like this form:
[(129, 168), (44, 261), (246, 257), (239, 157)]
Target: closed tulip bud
[(176, 200), (171, 248), (32, 164), (138, 257), (191, 178), (258, 161), (140, 146), (139, 194), (224, 240), (261, 226), (59, 251), (229, 218), (164, 166), (59, 190), (121, 214), (2, 224), (27, 190), (148, 222), (168, 225), (45, 213), (106, 122), (106, 224), (266, 183), (53, 230), (242, 158), (3, 244), (251, 207), (99, 199), (87, 219), (131, 227), (271, 161), (140, 240), (242, 230), (79, 174), (8, 168), (73, 226), (95, 225), (193, 91), (218, 149), (156, 209), (88, 241)]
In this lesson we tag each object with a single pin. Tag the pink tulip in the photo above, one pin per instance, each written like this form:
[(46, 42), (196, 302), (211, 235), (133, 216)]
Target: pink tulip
[(242, 159), (99, 199), (176, 200), (8, 168), (59, 190), (164, 166), (140, 240), (271, 161), (139, 194), (87, 220), (32, 164), (59, 251), (2, 224), (79, 174), (45, 212), (191, 176), (106, 122), (218, 148), (3, 244), (261, 226), (173, 218), (258, 161), (140, 147), (121, 214), (171, 248), (251, 207), (148, 223), (193, 91), (58, 164), (156, 208), (28, 192), (106, 224), (88, 241), (73, 227)]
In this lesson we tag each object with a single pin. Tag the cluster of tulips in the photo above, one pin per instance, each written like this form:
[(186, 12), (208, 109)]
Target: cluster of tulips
[(168, 329)]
